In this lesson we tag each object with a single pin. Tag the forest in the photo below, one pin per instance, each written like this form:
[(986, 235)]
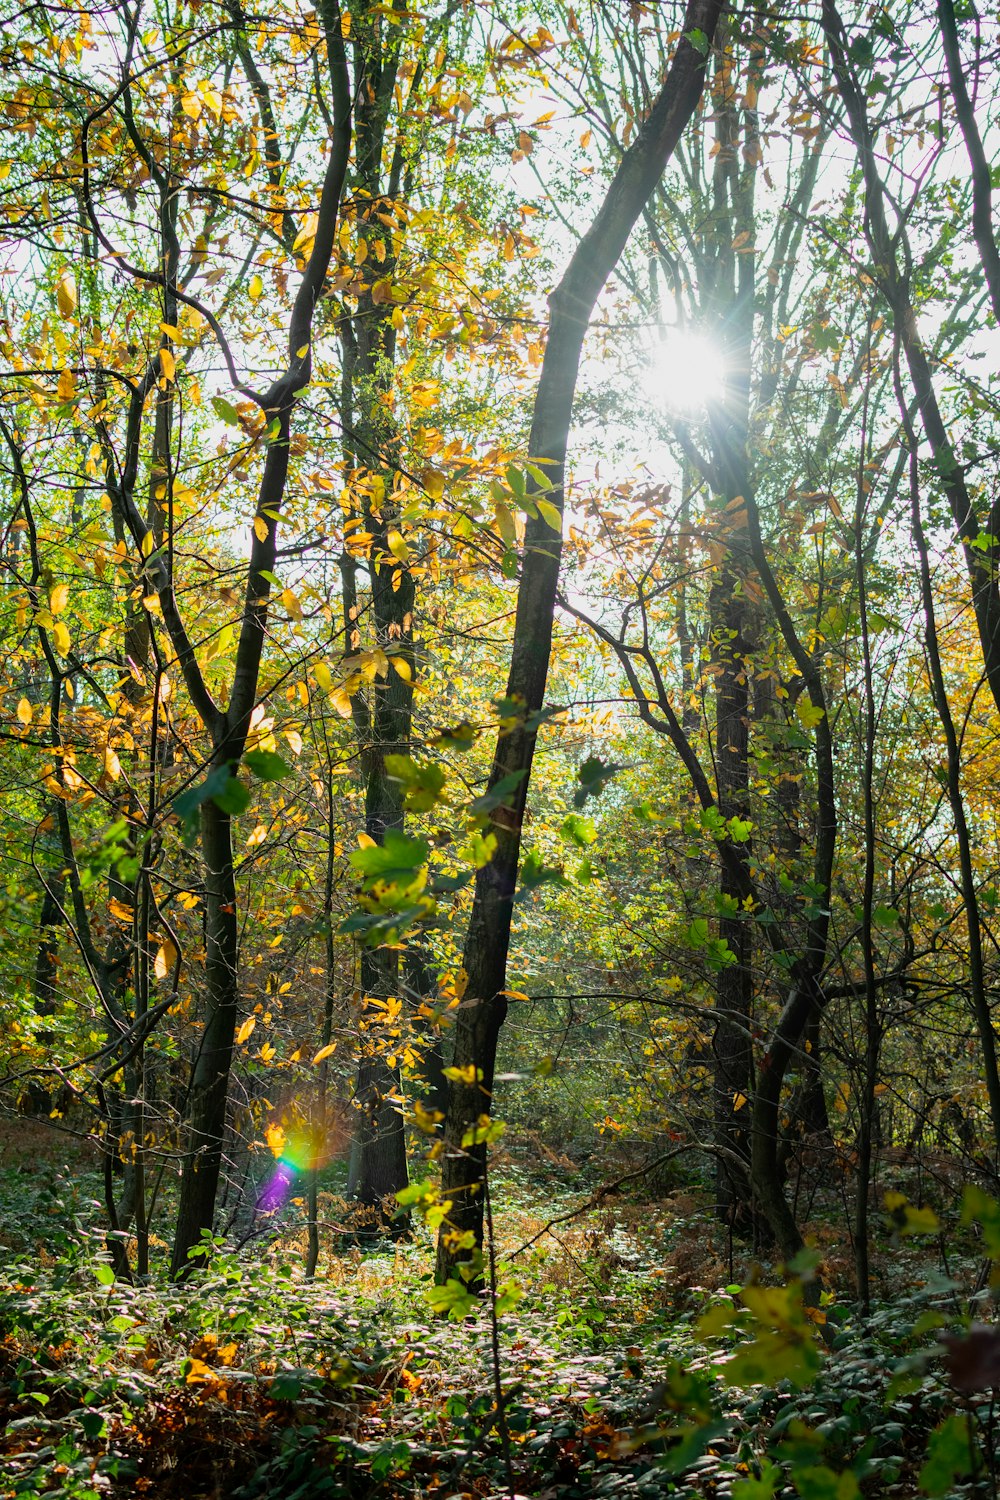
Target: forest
[(499, 831)]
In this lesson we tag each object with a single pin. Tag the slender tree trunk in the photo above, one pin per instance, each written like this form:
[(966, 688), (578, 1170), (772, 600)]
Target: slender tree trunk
[(484, 1006), (730, 301), (978, 988), (229, 728), (210, 1080), (378, 1167), (980, 547)]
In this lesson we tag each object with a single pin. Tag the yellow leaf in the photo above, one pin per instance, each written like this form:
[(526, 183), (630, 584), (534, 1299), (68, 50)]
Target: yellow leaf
[(256, 288), (66, 386), (61, 636), (396, 545), (739, 1100), (24, 712), (120, 910), (468, 1074), (168, 365), (267, 1052), (549, 514), (341, 700), (433, 482), (66, 294), (425, 1119), (198, 1372), (291, 603), (323, 676), (166, 957), (260, 529), (807, 713), (325, 1052), (191, 105), (59, 598), (245, 1030), (365, 841), (402, 668), (112, 765), (294, 740), (275, 1137)]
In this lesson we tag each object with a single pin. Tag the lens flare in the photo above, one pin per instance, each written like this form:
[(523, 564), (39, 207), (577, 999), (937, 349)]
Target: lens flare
[(299, 1151)]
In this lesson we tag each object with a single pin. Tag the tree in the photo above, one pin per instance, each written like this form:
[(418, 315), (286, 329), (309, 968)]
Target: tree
[(484, 1004)]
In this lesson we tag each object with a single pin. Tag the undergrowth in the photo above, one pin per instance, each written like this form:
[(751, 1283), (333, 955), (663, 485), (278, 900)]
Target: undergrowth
[(631, 1366)]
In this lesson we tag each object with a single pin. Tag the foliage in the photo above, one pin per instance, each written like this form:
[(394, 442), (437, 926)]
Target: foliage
[(618, 1378), (501, 660)]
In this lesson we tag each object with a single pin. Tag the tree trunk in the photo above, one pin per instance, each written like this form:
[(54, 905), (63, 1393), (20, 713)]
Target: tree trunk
[(210, 1079), (484, 1006)]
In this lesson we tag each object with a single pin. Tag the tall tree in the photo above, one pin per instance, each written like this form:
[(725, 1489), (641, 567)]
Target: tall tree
[(484, 1004)]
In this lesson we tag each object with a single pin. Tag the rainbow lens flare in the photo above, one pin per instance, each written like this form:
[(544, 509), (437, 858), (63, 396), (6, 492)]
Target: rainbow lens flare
[(301, 1151)]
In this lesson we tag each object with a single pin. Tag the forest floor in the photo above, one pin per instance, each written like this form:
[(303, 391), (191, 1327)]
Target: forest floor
[(636, 1354)]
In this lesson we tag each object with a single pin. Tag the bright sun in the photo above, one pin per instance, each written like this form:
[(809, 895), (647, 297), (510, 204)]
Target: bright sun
[(683, 372)]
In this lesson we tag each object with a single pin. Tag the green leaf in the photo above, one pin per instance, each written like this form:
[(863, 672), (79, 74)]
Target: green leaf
[(460, 736), (593, 777), (93, 1423), (885, 916), (416, 1192), (821, 1483), (287, 1385), (453, 1298), (764, 1488), (979, 1205), (948, 1455), (232, 798), (219, 786), (535, 873), (424, 783), (397, 859), (497, 796), (698, 40), (580, 831), (696, 933), (267, 765), (104, 1275), (226, 410)]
